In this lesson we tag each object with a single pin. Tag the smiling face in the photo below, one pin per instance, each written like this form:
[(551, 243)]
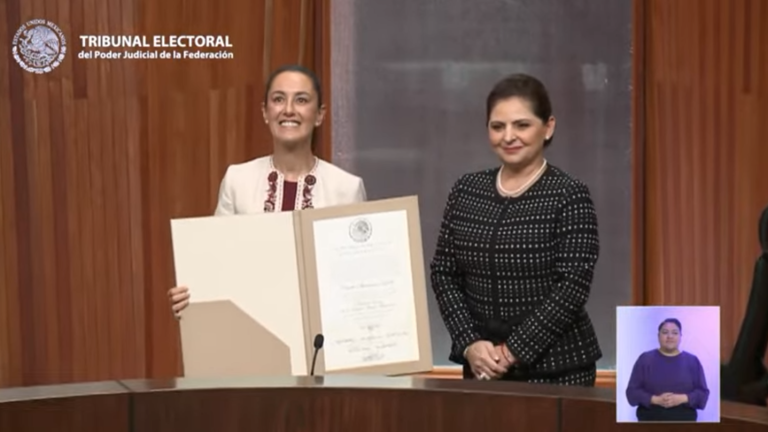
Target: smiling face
[(669, 337), (292, 108), (516, 134)]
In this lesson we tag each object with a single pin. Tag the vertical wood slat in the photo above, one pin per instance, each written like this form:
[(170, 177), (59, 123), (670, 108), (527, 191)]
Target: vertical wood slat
[(60, 246), (71, 150), (17, 233), (73, 88), (8, 323), (97, 156), (704, 155)]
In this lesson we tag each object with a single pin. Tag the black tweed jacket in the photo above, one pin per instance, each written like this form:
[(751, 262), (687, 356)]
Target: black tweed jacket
[(518, 270)]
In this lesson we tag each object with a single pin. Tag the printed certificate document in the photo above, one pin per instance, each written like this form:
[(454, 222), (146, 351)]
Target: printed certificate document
[(365, 289)]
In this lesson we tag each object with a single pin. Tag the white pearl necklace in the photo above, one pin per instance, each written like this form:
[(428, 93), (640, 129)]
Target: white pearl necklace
[(521, 188)]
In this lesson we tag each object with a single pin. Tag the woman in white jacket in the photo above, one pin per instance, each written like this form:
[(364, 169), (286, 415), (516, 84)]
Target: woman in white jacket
[(292, 177)]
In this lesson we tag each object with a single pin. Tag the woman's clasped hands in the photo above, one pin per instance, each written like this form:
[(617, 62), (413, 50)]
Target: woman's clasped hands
[(669, 400), (488, 361)]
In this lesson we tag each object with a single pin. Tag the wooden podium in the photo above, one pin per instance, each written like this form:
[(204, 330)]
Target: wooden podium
[(264, 286), (333, 404)]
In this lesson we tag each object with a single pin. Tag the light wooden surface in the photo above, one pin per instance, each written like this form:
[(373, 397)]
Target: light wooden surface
[(605, 378)]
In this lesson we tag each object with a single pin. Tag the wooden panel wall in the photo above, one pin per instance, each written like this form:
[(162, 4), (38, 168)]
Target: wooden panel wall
[(706, 157), (97, 156)]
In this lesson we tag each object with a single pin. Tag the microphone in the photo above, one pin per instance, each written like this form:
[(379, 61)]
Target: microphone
[(319, 339)]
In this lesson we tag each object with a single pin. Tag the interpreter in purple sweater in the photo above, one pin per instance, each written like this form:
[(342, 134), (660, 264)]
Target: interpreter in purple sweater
[(667, 384)]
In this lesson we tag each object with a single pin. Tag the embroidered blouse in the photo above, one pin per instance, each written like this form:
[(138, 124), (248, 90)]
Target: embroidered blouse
[(286, 192), (257, 187)]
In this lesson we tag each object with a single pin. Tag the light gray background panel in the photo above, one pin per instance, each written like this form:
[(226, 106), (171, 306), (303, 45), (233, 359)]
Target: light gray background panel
[(410, 80)]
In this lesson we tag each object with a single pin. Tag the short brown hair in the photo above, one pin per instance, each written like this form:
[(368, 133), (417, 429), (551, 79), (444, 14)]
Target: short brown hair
[(525, 87)]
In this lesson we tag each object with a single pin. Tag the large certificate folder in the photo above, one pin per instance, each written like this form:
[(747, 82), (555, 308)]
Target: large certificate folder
[(264, 286)]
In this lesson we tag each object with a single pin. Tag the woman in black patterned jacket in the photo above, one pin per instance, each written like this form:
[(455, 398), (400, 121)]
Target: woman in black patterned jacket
[(516, 253)]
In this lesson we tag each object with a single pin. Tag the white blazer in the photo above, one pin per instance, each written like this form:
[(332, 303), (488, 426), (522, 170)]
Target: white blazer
[(245, 187)]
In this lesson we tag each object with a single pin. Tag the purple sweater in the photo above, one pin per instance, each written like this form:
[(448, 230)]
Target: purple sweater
[(655, 374)]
